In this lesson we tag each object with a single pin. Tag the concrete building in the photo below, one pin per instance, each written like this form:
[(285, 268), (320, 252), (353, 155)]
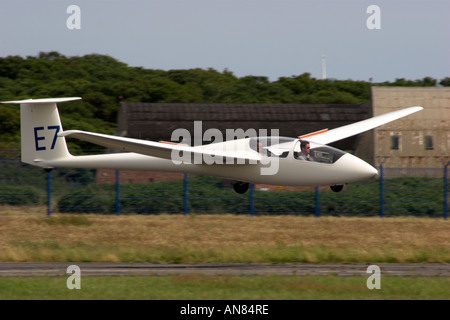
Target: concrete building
[(417, 145)]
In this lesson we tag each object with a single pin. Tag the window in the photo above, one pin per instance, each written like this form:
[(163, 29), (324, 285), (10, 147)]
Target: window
[(395, 142), (326, 154), (429, 143), (321, 153)]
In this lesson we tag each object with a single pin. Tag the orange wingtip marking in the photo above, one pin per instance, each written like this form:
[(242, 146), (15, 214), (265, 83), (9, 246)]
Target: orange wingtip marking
[(174, 143), (313, 134)]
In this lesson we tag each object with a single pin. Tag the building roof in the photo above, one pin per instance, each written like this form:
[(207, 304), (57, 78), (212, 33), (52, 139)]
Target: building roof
[(157, 121)]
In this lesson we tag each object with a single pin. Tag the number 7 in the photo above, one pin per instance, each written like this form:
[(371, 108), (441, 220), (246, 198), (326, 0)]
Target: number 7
[(56, 128)]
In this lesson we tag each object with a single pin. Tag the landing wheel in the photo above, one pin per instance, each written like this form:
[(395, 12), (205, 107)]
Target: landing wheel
[(337, 188), (240, 187)]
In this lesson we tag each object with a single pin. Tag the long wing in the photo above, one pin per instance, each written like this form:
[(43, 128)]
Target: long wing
[(165, 150), (328, 136)]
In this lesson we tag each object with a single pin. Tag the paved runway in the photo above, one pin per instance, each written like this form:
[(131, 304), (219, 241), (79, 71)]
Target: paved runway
[(23, 269)]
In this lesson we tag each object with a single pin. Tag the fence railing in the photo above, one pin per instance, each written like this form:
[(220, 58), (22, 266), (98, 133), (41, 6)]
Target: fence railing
[(75, 191)]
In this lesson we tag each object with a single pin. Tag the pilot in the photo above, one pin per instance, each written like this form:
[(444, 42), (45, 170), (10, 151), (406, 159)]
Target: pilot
[(305, 153), (260, 147), (262, 150)]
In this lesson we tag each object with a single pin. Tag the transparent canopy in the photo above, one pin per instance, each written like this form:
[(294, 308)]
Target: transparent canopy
[(282, 146)]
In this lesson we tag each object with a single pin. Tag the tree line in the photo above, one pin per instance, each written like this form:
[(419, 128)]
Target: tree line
[(103, 82)]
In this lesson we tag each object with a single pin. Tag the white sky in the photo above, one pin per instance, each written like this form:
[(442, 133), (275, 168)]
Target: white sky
[(269, 38)]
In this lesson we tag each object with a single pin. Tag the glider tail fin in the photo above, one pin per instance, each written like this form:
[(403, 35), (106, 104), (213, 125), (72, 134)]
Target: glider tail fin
[(40, 124)]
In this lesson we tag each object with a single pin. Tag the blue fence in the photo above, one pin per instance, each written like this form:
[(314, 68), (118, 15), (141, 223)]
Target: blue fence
[(75, 191)]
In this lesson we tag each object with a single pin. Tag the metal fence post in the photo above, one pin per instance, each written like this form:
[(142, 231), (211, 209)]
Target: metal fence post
[(117, 192), (185, 194), (317, 202), (446, 191), (251, 199), (381, 191), (49, 191)]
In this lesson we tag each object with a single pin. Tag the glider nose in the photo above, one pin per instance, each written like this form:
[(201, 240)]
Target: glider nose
[(366, 170), (370, 171), (360, 170)]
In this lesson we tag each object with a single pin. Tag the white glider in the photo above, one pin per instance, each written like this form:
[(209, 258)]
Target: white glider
[(268, 160)]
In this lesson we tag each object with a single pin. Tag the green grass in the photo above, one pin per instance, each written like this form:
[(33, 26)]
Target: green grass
[(222, 238), (202, 287)]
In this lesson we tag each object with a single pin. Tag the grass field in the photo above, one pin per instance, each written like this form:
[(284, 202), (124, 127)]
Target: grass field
[(223, 238), (202, 287)]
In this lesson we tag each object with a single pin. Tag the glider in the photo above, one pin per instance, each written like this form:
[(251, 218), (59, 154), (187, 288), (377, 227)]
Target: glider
[(270, 160)]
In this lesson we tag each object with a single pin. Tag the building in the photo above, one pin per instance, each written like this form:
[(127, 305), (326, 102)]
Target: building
[(417, 145)]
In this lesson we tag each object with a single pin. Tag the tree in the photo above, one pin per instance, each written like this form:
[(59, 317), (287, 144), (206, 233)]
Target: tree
[(445, 82)]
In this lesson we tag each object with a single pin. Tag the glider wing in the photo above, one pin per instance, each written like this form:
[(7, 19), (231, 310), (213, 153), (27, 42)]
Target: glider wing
[(329, 136), (158, 149)]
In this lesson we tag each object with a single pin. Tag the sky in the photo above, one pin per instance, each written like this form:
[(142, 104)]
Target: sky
[(407, 39)]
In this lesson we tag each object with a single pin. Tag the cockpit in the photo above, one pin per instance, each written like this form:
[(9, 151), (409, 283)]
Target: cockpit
[(301, 149)]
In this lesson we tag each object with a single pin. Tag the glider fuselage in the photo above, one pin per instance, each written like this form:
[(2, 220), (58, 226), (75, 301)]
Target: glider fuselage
[(286, 170)]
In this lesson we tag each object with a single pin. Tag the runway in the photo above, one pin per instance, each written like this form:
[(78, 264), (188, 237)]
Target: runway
[(32, 269)]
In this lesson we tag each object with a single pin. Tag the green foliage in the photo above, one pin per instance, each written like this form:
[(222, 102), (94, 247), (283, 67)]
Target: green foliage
[(403, 196), (9, 127), (15, 173), (19, 195), (93, 199), (74, 190), (10, 120), (445, 82)]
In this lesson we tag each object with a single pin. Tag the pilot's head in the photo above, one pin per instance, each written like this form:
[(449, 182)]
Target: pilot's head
[(304, 145)]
